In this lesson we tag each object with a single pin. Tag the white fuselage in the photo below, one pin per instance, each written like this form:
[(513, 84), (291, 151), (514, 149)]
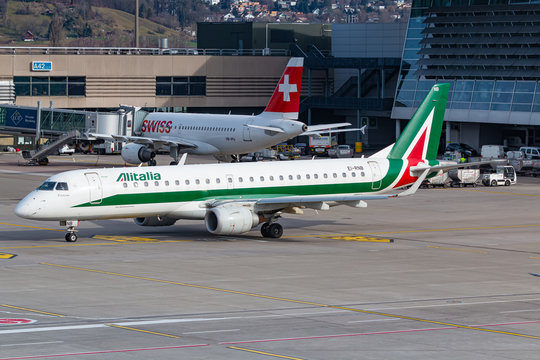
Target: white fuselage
[(220, 134), (185, 191)]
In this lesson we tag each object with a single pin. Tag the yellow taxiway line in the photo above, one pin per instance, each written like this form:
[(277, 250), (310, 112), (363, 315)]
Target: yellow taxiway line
[(264, 353), (261, 296), (143, 331), (31, 310), (31, 227)]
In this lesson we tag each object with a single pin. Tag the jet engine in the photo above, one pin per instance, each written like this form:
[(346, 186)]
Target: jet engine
[(230, 220), (154, 221), (137, 153)]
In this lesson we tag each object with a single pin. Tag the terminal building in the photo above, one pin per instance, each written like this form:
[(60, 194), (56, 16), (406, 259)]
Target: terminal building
[(489, 52)]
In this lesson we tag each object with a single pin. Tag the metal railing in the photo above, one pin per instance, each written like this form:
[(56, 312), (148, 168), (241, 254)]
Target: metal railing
[(38, 50)]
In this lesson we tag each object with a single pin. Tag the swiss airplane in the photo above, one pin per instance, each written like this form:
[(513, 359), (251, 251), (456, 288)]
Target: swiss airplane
[(235, 198), (224, 136)]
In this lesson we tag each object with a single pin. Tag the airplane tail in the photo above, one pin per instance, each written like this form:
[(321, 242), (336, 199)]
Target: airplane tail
[(420, 138), (285, 101)]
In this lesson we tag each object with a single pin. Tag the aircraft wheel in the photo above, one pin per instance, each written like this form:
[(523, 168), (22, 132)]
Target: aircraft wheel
[(493, 182), (152, 162), (264, 230), (275, 230), (71, 237), (174, 163), (507, 183)]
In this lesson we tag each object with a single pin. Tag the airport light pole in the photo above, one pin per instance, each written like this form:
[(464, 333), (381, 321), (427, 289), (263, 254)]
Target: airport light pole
[(137, 23)]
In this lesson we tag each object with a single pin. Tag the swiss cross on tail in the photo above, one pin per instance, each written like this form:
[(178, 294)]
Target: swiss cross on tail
[(285, 100)]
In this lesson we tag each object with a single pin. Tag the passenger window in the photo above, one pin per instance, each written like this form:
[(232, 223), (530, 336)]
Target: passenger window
[(146, 183), (197, 181), (290, 177), (281, 177), (308, 177), (299, 177), (218, 180), (363, 174), (176, 182), (166, 182), (262, 178), (251, 178), (135, 184), (334, 175), (325, 175), (240, 179), (271, 178), (353, 174), (207, 181), (187, 182), (316, 176), (344, 175), (156, 183), (229, 180), (125, 185), (62, 186)]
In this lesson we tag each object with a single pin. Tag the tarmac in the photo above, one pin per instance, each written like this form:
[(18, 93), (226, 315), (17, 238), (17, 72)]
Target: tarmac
[(443, 274)]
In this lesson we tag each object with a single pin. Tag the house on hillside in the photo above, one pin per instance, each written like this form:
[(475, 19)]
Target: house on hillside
[(28, 36)]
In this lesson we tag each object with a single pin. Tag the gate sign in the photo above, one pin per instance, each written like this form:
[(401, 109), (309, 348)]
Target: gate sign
[(21, 118), (41, 65)]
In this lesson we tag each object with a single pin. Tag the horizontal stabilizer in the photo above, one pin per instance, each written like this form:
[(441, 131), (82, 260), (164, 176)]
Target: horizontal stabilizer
[(267, 128)]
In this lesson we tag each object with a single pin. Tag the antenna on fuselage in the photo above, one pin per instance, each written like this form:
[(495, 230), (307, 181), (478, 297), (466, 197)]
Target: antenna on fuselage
[(182, 159)]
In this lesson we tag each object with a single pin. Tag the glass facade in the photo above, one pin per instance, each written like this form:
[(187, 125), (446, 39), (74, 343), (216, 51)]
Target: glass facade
[(50, 85), (488, 50), (180, 85)]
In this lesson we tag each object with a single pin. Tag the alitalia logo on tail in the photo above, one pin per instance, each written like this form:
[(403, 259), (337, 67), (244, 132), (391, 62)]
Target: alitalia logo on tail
[(138, 177)]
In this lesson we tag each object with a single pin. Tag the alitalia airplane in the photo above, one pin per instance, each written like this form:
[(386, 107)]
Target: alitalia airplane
[(223, 136), (235, 198)]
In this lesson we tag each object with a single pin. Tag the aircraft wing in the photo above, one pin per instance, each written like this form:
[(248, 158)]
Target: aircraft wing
[(415, 170), (325, 127), (317, 130), (157, 143), (317, 202)]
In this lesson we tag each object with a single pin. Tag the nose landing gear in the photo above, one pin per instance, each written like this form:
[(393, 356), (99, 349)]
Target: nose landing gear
[(71, 235)]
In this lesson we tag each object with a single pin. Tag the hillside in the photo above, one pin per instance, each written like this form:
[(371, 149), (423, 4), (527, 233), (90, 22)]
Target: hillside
[(94, 26)]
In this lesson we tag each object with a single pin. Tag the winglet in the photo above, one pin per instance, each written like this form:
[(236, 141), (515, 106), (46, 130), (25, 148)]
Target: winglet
[(416, 184), (182, 160)]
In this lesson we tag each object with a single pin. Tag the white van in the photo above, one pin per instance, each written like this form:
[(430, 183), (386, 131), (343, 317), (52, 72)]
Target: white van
[(530, 152), (492, 152)]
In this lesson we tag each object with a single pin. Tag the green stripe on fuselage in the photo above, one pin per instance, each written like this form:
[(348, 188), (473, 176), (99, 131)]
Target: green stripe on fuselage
[(248, 193)]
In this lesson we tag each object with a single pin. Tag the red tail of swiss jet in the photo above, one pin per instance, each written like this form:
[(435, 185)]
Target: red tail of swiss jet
[(285, 101)]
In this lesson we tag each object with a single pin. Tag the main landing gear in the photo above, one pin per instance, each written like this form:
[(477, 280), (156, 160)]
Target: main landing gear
[(71, 235), (272, 230)]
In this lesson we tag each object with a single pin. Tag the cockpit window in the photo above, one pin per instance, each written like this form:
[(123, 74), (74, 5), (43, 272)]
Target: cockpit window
[(47, 185), (62, 186)]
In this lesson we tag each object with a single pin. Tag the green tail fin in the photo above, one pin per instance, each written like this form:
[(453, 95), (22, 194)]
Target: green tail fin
[(420, 138)]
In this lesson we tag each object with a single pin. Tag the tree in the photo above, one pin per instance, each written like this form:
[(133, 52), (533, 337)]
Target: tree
[(56, 31)]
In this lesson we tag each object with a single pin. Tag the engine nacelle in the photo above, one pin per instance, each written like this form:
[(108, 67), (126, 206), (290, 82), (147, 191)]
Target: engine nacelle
[(137, 153), (230, 220), (155, 221)]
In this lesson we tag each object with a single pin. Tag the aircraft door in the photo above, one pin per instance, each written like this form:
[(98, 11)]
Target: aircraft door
[(247, 131), (94, 185), (376, 177), (230, 182)]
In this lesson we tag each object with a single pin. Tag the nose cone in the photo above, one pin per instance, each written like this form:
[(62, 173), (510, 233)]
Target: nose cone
[(25, 208)]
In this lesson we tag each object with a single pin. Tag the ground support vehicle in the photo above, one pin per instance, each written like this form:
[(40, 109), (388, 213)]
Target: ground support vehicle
[(340, 151), (464, 177), (441, 179), (503, 175), (287, 152), (319, 145)]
